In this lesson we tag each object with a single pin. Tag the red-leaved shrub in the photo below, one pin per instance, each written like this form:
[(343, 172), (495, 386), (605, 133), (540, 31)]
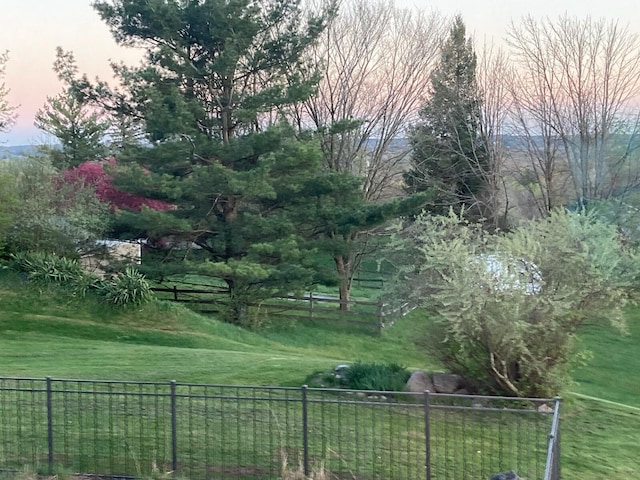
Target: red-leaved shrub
[(93, 174)]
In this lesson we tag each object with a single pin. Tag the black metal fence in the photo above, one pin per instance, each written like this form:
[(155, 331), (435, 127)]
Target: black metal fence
[(136, 429), (552, 469)]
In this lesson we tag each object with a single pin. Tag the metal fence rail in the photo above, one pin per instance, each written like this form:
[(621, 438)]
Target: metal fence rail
[(136, 429)]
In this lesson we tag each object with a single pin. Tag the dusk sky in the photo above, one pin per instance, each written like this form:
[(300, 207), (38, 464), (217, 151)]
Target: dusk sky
[(30, 30)]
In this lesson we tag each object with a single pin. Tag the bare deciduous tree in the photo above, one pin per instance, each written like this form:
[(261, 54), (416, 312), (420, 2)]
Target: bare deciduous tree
[(7, 111), (492, 74), (538, 156), (377, 60), (574, 102)]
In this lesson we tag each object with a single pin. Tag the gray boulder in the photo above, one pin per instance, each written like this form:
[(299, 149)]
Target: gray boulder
[(419, 382), (447, 382), (340, 371), (506, 476), (544, 408)]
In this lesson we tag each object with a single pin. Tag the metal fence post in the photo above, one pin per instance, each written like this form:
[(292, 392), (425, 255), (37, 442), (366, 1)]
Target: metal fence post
[(557, 454), (305, 432), (174, 429), (427, 435), (49, 425), (552, 467)]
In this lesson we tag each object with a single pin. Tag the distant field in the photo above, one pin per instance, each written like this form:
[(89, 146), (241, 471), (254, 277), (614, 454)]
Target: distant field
[(17, 151)]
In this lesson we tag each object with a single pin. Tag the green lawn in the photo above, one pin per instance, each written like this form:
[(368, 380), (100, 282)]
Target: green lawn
[(614, 371), (601, 425), (43, 333)]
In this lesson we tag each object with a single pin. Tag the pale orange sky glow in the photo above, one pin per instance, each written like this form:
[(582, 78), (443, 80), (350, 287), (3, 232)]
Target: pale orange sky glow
[(30, 30)]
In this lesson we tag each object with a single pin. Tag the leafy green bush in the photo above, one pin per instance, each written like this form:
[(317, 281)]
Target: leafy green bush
[(376, 376), (7, 204), (42, 212), (48, 268), (127, 288), (362, 376), (506, 306)]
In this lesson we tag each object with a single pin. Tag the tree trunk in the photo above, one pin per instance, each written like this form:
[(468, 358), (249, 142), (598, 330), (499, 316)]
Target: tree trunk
[(342, 264), (237, 309)]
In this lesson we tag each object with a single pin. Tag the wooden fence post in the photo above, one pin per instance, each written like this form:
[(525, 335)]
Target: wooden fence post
[(380, 317), (311, 305)]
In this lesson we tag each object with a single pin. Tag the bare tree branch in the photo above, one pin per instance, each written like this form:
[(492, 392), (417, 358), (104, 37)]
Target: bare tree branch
[(573, 102), (7, 111), (377, 59)]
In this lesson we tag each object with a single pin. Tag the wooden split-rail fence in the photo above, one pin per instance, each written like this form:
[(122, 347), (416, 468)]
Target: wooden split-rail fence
[(375, 316)]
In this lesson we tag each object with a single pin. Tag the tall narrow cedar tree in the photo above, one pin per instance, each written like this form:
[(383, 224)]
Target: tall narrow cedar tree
[(448, 153)]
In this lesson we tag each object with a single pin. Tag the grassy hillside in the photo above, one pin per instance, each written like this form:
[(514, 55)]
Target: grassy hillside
[(44, 333), (602, 421), (613, 371)]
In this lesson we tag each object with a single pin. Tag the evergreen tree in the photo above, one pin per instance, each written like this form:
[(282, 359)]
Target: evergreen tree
[(68, 117), (448, 153), (80, 132), (345, 222), (216, 71)]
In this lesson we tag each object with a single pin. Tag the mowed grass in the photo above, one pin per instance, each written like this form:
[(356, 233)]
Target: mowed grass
[(601, 424), (45, 333), (613, 372)]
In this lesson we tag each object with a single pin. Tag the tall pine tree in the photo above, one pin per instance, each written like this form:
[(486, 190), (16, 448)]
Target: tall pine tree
[(78, 127), (449, 155), (217, 71)]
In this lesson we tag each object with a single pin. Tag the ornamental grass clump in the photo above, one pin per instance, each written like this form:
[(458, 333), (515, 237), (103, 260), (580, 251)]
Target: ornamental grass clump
[(127, 288)]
